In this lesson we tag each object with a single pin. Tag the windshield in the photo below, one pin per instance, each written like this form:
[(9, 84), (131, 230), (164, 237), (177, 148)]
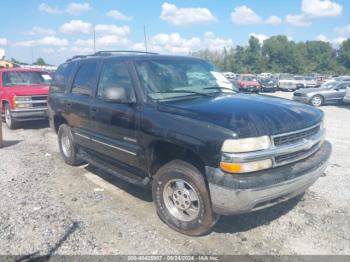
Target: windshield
[(24, 78), (248, 78), (174, 78)]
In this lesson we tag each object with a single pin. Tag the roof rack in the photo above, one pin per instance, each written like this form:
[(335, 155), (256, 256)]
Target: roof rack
[(100, 53), (123, 51), (76, 57)]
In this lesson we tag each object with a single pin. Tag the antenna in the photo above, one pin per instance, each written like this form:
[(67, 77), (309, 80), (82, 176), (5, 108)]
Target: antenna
[(145, 36)]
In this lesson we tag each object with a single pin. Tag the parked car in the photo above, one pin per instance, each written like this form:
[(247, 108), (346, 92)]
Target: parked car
[(310, 82), (328, 93), (299, 82), (23, 93), (346, 98), (268, 85), (287, 82), (204, 149), (248, 83)]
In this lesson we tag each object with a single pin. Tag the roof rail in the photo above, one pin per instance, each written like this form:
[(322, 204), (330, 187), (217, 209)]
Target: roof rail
[(123, 51), (76, 57)]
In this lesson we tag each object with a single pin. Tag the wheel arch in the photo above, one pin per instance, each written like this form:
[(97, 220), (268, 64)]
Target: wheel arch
[(161, 152), (58, 120)]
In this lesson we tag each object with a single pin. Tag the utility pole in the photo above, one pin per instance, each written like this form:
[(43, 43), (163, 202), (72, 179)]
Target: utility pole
[(145, 36), (94, 38)]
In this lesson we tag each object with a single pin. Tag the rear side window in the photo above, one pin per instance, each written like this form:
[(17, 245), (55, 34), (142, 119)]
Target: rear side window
[(84, 79), (61, 78)]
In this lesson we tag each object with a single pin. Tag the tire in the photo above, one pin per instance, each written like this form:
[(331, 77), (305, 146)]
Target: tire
[(317, 101), (67, 146), (9, 120), (178, 181)]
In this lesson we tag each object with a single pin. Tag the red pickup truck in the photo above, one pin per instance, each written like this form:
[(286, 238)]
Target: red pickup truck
[(248, 83), (23, 94)]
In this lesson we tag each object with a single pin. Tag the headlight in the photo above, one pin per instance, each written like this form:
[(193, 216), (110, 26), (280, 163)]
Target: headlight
[(23, 98), (246, 167), (246, 144), (24, 105)]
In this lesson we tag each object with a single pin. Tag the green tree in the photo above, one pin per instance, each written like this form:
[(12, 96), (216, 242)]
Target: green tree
[(40, 61), (344, 55)]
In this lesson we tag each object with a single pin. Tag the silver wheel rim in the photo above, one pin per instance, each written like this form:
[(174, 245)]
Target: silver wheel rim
[(316, 101), (8, 117), (66, 145), (181, 200)]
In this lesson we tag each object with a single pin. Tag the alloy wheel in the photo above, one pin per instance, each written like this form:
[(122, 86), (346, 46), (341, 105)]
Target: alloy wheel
[(181, 200)]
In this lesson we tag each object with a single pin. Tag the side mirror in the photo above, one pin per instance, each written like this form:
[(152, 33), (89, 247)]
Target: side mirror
[(117, 95)]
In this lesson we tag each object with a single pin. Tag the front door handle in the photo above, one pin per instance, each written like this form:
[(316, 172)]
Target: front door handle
[(95, 109)]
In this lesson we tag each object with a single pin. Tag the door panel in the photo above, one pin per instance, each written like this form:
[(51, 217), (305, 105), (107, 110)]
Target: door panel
[(115, 131), (115, 123), (79, 102)]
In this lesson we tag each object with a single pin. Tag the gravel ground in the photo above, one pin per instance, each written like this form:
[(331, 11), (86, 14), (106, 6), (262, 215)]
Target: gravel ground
[(47, 207)]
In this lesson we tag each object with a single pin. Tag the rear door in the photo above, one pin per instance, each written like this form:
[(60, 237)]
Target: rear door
[(116, 124), (79, 101)]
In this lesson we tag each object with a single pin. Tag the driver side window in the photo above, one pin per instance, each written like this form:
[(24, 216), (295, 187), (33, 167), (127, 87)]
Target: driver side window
[(114, 75)]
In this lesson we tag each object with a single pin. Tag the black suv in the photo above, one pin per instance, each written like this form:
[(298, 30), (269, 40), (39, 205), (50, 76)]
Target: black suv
[(175, 124)]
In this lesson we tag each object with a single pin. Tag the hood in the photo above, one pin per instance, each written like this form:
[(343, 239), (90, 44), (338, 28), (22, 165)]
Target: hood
[(249, 83), (287, 81), (29, 90), (247, 115), (311, 90)]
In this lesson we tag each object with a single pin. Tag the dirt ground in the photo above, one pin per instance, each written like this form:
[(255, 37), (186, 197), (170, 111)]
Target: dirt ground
[(47, 207)]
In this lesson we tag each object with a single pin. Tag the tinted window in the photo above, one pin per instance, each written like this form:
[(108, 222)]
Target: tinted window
[(84, 79), (61, 78), (114, 75)]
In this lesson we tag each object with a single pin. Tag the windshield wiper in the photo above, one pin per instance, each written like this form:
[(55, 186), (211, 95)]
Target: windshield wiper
[(183, 91), (220, 88)]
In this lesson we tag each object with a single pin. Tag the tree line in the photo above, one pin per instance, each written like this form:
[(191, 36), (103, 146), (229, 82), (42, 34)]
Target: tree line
[(278, 54)]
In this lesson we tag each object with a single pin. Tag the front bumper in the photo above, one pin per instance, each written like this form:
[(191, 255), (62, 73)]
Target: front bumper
[(303, 99), (250, 88), (287, 87), (29, 114), (233, 194)]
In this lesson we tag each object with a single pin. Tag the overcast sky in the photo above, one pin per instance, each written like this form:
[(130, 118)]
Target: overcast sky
[(58, 29)]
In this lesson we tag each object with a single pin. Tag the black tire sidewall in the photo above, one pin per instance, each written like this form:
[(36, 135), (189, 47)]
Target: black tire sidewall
[(13, 121), (72, 159), (182, 170)]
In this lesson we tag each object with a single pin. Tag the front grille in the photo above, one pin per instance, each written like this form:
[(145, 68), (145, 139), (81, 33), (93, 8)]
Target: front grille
[(295, 155), (295, 137), (39, 98), (40, 105), (39, 101)]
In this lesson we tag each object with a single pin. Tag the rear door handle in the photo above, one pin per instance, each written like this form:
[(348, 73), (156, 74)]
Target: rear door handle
[(94, 109)]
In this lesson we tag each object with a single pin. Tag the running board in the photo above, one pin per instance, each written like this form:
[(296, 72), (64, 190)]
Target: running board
[(110, 169)]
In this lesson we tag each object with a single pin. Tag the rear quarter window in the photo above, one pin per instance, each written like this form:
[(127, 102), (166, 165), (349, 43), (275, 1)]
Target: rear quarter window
[(61, 78)]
